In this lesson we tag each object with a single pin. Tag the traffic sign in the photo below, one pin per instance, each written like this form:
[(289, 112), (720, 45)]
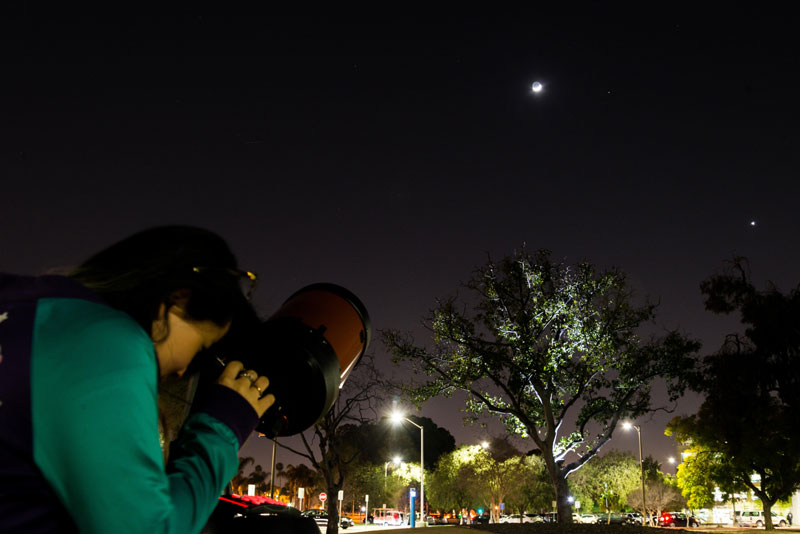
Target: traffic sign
[(323, 496)]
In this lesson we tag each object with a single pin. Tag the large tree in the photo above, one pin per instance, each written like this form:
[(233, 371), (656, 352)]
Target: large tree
[(543, 345), (454, 483), (610, 476), (534, 491), (498, 467), (705, 475), (748, 426)]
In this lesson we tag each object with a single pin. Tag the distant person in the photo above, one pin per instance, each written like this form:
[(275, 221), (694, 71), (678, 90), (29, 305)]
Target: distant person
[(81, 357), (789, 518)]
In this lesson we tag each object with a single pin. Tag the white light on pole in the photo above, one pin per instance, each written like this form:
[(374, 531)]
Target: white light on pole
[(627, 426), (398, 418)]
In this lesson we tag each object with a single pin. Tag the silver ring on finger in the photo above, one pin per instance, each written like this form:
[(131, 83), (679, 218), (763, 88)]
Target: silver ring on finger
[(247, 375)]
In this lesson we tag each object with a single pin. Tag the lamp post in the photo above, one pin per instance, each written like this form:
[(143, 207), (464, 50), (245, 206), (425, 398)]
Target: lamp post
[(398, 418), (628, 426), (272, 472)]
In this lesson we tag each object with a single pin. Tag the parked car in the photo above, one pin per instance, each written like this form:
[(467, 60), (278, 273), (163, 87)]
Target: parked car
[(235, 513), (616, 519), (387, 516), (551, 517), (755, 518), (481, 519), (521, 518), (320, 517), (634, 518), (588, 519), (677, 519), (444, 519)]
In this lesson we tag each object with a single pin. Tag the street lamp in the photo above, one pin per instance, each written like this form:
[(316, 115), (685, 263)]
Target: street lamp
[(398, 418), (396, 460), (628, 426)]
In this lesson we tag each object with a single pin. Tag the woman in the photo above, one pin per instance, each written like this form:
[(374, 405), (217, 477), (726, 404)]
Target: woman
[(80, 361)]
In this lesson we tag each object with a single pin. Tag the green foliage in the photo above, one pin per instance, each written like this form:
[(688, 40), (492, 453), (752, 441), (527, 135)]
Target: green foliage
[(652, 469), (749, 423), (473, 477), (454, 484), (384, 486), (543, 344), (532, 490), (611, 476), (703, 468)]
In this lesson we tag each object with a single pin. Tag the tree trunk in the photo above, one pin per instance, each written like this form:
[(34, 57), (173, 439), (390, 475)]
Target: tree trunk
[(559, 480), (563, 506), (333, 513), (768, 515)]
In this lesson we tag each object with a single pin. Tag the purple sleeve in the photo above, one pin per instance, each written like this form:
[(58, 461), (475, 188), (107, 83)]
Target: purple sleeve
[(229, 407)]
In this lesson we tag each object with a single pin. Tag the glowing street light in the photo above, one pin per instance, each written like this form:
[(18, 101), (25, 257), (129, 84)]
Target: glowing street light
[(398, 418), (671, 460), (627, 426)]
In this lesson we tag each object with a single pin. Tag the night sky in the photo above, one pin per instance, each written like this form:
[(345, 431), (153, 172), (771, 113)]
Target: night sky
[(392, 155)]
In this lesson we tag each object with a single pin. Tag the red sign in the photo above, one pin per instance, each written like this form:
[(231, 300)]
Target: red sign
[(323, 496)]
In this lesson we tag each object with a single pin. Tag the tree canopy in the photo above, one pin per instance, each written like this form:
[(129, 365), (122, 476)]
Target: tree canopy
[(608, 478), (473, 477), (542, 344), (747, 431)]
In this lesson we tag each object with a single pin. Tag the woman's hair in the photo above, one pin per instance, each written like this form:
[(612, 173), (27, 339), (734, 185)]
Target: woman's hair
[(143, 271)]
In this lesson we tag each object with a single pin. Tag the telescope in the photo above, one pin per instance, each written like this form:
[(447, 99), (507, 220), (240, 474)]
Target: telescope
[(307, 349)]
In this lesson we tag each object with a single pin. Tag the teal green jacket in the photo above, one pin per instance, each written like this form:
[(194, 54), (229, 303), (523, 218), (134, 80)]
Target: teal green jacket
[(82, 379)]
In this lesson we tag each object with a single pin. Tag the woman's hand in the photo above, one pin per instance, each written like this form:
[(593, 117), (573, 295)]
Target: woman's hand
[(249, 385)]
